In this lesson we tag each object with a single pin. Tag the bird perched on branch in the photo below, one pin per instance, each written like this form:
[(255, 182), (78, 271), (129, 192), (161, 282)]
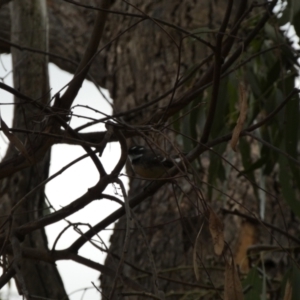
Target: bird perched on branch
[(149, 163)]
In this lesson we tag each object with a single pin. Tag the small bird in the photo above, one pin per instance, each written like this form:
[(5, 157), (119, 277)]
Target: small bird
[(149, 163)]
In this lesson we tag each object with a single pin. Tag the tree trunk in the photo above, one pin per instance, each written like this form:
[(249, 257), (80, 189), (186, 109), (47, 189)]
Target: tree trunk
[(68, 27), (33, 278), (144, 66)]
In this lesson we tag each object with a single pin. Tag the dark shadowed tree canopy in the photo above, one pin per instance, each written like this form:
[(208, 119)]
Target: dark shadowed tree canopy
[(213, 82)]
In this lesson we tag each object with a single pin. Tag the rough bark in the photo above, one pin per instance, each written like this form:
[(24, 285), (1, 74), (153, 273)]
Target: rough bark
[(33, 278), (144, 66)]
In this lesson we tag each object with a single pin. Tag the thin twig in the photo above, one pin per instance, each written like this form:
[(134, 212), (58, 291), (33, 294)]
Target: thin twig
[(288, 156)]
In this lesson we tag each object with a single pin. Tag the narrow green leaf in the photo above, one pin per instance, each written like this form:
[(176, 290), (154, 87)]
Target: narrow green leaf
[(255, 282), (220, 121), (295, 280), (216, 169), (293, 277), (245, 150), (194, 117), (258, 164), (296, 23), (254, 84), (287, 185)]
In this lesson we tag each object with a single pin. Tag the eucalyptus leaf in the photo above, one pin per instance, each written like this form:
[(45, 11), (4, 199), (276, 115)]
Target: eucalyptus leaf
[(253, 280)]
